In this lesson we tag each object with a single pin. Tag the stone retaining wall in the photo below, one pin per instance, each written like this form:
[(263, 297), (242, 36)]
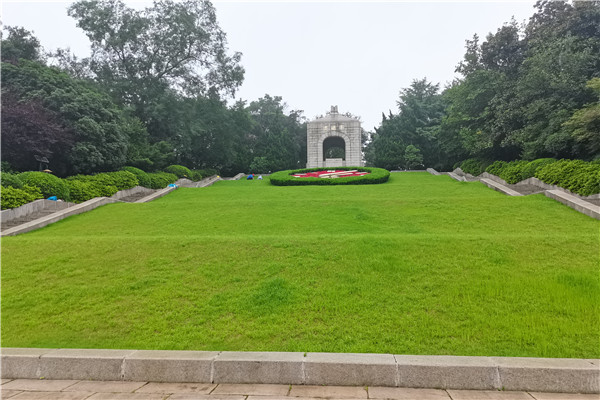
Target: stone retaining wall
[(34, 206), (345, 369)]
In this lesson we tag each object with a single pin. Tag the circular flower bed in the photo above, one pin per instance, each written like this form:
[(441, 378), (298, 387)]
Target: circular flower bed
[(337, 176)]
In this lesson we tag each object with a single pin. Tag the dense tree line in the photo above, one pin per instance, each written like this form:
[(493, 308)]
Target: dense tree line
[(525, 92), (154, 92), (157, 91)]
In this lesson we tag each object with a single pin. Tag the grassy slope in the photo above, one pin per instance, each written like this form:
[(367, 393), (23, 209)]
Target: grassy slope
[(420, 265)]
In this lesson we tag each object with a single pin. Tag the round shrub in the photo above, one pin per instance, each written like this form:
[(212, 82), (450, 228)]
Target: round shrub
[(285, 178), (49, 185), (179, 170), (11, 180), (142, 177), (121, 179), (104, 190), (196, 175), (11, 197), (160, 180), (81, 191), (474, 166)]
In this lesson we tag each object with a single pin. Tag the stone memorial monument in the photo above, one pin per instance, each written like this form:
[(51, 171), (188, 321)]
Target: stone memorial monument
[(333, 141)]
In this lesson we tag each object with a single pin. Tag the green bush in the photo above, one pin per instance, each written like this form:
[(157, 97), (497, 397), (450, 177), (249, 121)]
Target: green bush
[(285, 178), (142, 177), (530, 169), (512, 171), (474, 166), (179, 170), (81, 191), (495, 167), (196, 175), (575, 175), (121, 179), (48, 184), (11, 180), (160, 180), (11, 197)]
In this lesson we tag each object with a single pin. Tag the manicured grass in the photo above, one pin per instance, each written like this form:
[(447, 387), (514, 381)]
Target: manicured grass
[(419, 265)]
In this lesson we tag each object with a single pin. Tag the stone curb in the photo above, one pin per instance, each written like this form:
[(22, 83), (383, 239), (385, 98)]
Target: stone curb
[(575, 203), (344, 369), (156, 195), (455, 177), (433, 171), (499, 187), (57, 216)]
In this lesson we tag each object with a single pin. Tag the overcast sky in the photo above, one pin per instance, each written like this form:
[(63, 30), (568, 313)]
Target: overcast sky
[(357, 55)]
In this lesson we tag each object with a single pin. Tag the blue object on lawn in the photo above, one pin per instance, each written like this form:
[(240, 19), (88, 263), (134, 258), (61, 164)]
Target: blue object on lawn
[(172, 185), (53, 198)]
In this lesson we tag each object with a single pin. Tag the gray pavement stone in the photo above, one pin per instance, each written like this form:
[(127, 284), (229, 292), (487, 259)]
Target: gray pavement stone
[(548, 374), (350, 369), (169, 366), (126, 396), (447, 372), (3, 381), (84, 364), (563, 396), (250, 389), (487, 395), (21, 362), (5, 394), (105, 386), (195, 396), (396, 393), (39, 384), (258, 367), (158, 387), (52, 396), (328, 392)]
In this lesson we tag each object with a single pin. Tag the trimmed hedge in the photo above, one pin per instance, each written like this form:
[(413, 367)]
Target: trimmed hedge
[(495, 167), (578, 176), (121, 180), (511, 172), (11, 197), (179, 170), (49, 185), (285, 178), (11, 180), (81, 191), (474, 166), (532, 167), (160, 180), (142, 176)]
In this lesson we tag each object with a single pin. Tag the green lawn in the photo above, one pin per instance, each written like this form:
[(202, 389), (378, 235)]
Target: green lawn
[(419, 265)]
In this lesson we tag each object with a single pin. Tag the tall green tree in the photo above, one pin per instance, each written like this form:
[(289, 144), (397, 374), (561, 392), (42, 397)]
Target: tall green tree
[(420, 110)]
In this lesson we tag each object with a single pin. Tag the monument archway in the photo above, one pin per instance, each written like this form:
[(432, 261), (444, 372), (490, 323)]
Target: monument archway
[(333, 131)]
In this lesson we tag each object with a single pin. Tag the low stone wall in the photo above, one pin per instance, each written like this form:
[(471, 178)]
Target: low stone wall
[(57, 216), (432, 171), (156, 194), (34, 206), (345, 369), (499, 187), (121, 194), (575, 203)]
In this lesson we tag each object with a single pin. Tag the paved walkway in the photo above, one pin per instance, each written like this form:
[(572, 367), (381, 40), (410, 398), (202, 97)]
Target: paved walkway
[(23, 389)]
